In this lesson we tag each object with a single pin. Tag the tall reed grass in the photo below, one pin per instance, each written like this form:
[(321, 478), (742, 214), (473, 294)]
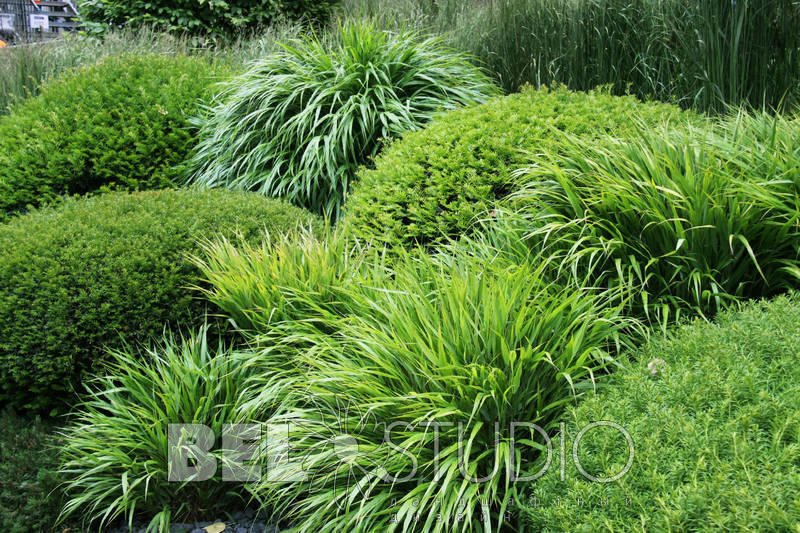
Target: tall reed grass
[(698, 54), (704, 55)]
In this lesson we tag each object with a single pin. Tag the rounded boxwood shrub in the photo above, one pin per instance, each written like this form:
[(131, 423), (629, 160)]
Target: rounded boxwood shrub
[(121, 123), (92, 272), (300, 122), (433, 183), (714, 414)]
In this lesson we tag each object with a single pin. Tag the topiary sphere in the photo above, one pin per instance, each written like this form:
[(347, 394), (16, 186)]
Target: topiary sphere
[(434, 183), (98, 272), (118, 124)]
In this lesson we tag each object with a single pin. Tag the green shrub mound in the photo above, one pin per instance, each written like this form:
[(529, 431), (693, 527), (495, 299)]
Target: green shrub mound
[(716, 434), (434, 183), (143, 464), (217, 18), (121, 123), (91, 272), (691, 219), (300, 122)]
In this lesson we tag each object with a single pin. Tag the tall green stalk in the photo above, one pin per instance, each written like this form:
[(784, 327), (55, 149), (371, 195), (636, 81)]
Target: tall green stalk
[(705, 55)]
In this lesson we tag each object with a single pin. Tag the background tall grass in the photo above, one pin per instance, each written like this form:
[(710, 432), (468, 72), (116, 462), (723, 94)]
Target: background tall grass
[(698, 54), (24, 68)]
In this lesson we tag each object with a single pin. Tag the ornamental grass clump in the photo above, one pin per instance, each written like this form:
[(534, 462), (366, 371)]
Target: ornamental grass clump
[(301, 121), (286, 277), (117, 452), (442, 357), (691, 220)]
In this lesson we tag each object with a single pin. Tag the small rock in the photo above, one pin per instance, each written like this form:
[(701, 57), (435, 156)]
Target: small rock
[(656, 367)]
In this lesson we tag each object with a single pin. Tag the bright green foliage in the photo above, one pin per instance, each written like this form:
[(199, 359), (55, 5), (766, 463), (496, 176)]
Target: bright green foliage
[(213, 17), (434, 183), (690, 219), (447, 340), (121, 123), (295, 277), (300, 122), (115, 460), (76, 278), (716, 434)]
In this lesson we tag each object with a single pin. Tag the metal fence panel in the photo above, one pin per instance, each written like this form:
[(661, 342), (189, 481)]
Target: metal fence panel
[(23, 21)]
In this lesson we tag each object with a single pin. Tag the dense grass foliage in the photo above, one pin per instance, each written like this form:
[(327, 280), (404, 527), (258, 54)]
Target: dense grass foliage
[(716, 434), (76, 278), (217, 18), (257, 286), (705, 55), (690, 219), (121, 123), (433, 184), (116, 452), (447, 340), (496, 261), (300, 122), (30, 501)]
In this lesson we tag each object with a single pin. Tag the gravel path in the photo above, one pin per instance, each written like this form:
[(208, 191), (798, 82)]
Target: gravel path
[(240, 522)]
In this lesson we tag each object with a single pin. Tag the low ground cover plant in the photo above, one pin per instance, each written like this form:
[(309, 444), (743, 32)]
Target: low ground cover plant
[(127, 413), (119, 124), (434, 184), (85, 275), (300, 122), (692, 220), (30, 499), (715, 427)]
